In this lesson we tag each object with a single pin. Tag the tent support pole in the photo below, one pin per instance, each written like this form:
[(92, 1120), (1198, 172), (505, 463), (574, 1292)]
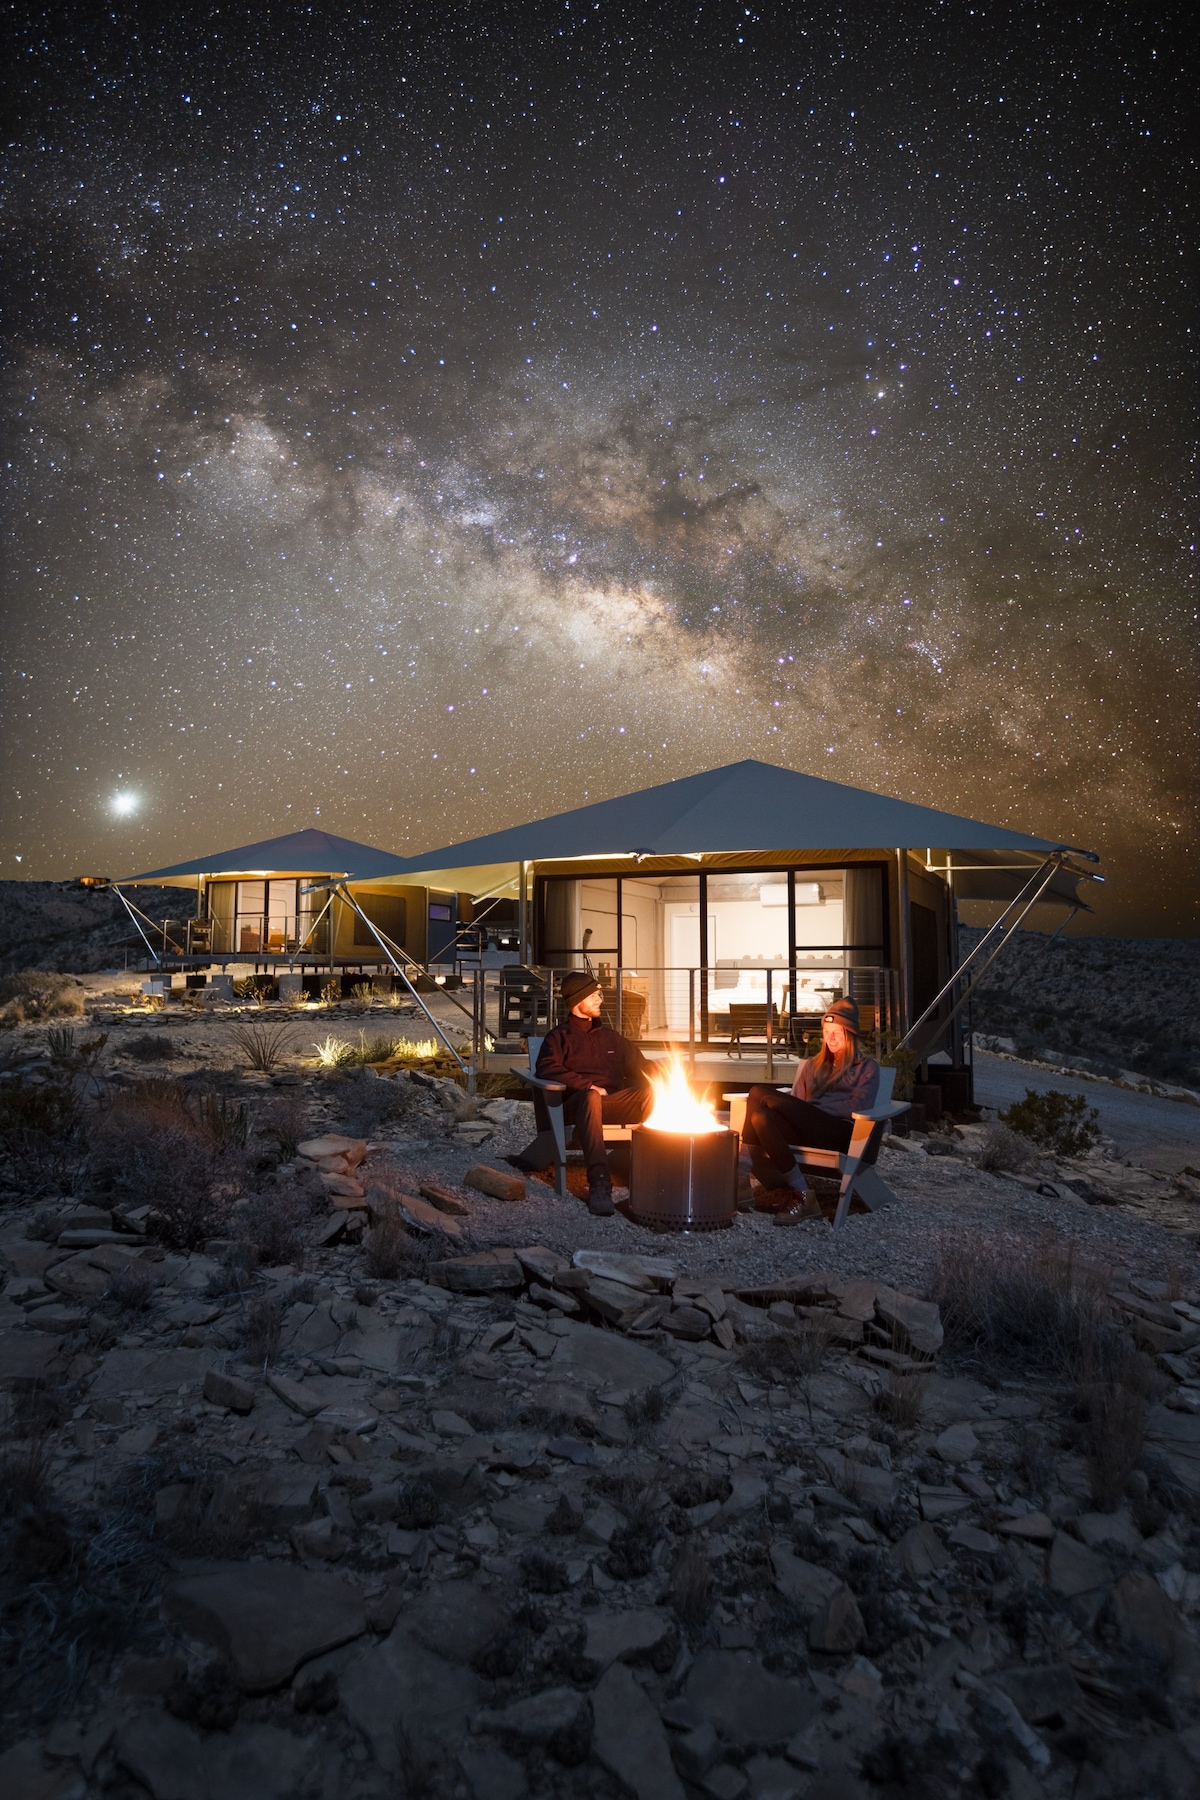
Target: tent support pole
[(906, 993), (133, 913), (398, 969), (1034, 889)]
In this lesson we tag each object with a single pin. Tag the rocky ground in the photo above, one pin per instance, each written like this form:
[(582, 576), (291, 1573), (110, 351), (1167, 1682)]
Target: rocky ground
[(59, 925), (327, 1473)]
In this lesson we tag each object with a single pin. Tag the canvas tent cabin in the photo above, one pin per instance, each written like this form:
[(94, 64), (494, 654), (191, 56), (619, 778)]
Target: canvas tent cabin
[(272, 904), (747, 896)]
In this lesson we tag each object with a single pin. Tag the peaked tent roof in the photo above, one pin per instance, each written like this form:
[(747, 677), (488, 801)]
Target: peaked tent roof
[(743, 806), (308, 852)]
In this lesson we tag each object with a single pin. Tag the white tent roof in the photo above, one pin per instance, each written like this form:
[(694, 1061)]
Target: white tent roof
[(746, 806), (308, 852)]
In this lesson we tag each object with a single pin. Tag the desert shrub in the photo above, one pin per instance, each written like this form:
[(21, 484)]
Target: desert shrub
[(1043, 1311), (263, 1047), (286, 1121), (417, 1506), (156, 1145), (1005, 1149), (334, 1052), (151, 1046), (273, 1224), (904, 1062), (544, 1574), (261, 1330), (257, 989), (40, 994), (1064, 1124), (41, 1134)]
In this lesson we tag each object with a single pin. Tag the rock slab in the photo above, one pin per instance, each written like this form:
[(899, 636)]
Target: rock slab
[(267, 1618)]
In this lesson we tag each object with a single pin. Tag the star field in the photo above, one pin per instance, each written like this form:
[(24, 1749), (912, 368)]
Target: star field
[(422, 419)]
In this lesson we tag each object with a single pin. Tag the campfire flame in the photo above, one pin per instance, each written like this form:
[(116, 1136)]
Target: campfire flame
[(676, 1107)]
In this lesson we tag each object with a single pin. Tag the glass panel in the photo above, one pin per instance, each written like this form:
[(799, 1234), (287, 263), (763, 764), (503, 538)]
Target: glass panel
[(251, 916), (820, 959), (660, 942), (748, 922), (597, 918), (312, 938), (220, 910), (281, 917)]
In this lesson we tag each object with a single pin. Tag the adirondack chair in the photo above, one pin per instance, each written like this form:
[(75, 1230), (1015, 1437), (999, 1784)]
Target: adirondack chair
[(554, 1094), (855, 1166)]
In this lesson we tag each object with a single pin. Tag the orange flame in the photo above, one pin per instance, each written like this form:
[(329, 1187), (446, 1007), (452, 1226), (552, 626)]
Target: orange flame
[(676, 1107)]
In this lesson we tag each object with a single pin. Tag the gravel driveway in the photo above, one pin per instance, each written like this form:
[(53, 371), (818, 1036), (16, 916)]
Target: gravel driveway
[(1159, 1134)]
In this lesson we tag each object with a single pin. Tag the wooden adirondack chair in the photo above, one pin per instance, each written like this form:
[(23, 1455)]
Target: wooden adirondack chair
[(554, 1094), (855, 1166)]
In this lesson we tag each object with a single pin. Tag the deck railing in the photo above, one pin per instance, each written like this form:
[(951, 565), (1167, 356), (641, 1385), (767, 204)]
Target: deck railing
[(767, 1010)]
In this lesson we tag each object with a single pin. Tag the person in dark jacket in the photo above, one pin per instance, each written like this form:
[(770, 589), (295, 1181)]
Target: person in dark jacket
[(607, 1081), (828, 1088)]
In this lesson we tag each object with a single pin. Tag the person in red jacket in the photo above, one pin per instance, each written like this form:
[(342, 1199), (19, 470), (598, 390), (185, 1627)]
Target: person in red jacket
[(607, 1081), (838, 1081)]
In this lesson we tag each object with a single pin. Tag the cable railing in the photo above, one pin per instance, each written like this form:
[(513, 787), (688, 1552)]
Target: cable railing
[(734, 1008)]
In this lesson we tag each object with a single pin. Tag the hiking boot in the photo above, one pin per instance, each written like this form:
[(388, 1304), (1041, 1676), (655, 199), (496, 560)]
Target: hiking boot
[(600, 1195)]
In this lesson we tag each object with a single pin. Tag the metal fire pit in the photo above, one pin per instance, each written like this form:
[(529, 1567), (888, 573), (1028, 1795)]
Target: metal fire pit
[(681, 1182)]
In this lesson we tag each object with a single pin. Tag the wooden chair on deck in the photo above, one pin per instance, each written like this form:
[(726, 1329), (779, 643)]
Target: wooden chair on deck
[(748, 1019), (855, 1166), (555, 1094)]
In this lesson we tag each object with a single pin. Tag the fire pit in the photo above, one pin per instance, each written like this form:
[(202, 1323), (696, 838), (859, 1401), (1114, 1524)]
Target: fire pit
[(683, 1163)]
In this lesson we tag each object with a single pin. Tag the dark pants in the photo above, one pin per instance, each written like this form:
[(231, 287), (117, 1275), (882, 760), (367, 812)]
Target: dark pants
[(588, 1111), (775, 1121)]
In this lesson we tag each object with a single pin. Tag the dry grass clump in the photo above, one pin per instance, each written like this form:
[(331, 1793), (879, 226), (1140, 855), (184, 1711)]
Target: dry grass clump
[(1005, 1150), (273, 1224), (40, 994), (1115, 1385), (391, 1250), (1035, 1312), (900, 1399), (41, 1135), (130, 1290), (262, 1330), (691, 1590)]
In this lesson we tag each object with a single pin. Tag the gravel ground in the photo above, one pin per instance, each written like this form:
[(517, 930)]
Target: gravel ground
[(936, 1197)]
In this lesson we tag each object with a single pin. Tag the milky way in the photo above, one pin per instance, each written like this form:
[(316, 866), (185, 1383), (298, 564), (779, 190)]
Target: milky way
[(432, 418)]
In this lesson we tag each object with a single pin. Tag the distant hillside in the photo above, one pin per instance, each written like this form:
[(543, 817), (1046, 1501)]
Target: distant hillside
[(55, 925), (1111, 1003)]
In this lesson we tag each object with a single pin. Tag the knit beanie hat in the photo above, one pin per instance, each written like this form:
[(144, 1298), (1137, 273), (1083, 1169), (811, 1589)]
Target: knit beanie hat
[(845, 1014), (576, 987)]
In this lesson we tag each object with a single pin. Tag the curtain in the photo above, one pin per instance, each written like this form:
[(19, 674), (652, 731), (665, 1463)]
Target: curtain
[(862, 916), (564, 924)]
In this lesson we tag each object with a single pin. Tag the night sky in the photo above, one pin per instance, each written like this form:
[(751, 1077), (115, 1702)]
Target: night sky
[(422, 418)]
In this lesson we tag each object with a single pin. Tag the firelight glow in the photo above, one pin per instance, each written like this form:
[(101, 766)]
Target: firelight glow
[(676, 1107)]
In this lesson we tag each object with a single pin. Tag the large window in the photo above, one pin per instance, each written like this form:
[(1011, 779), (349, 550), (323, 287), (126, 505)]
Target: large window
[(700, 947), (266, 918)]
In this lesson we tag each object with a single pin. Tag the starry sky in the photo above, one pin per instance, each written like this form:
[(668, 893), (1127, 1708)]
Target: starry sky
[(423, 418)]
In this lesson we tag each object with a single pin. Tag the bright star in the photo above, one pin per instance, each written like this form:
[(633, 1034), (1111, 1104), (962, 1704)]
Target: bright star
[(123, 805)]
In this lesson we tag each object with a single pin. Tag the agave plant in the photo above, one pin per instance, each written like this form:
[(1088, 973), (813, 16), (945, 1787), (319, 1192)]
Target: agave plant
[(264, 1047)]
